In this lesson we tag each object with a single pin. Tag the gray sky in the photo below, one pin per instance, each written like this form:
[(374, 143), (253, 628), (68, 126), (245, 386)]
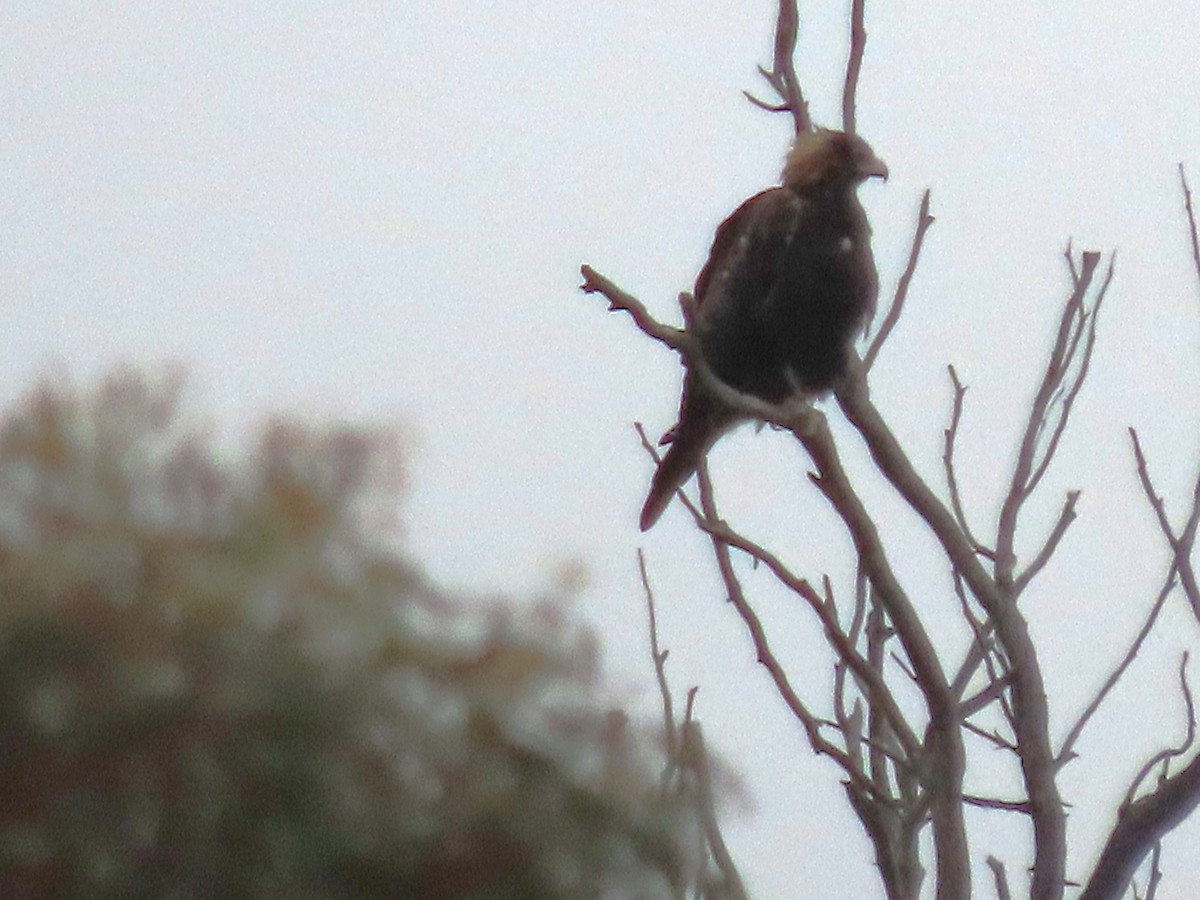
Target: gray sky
[(379, 209)]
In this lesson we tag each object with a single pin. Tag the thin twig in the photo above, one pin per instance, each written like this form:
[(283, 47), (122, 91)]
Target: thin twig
[(659, 657), (1181, 546), (850, 723), (1155, 871), (890, 751), (1000, 878), (984, 649), (924, 220), (619, 301), (877, 634), (1067, 753), (992, 737), (1087, 326), (1021, 806), (763, 104), (1065, 518), (950, 440), (1191, 217)]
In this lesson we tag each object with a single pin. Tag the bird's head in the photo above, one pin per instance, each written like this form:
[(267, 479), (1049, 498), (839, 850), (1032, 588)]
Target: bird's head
[(826, 157)]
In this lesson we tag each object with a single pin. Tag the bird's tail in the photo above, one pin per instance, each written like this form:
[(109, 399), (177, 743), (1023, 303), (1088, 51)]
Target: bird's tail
[(701, 422)]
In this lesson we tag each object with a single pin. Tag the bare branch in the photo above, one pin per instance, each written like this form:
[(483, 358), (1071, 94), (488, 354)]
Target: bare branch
[(1067, 753), (1191, 217), (1141, 824), (1164, 756), (858, 45), (877, 634), (982, 650), (985, 697), (1181, 547), (763, 104), (1065, 397), (887, 749), (783, 76), (1000, 878), (1031, 712), (1065, 518), (659, 657), (924, 220), (758, 635), (1155, 871), (950, 440), (992, 737), (873, 686), (696, 761), (1065, 373), (619, 301), (862, 588), (1021, 806), (943, 736), (851, 723)]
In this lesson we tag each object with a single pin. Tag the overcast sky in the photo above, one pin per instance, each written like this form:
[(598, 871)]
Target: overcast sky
[(378, 210)]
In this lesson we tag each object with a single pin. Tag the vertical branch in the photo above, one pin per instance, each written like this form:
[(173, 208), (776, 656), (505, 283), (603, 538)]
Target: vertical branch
[(782, 76), (876, 726), (858, 45), (949, 440), (659, 658), (787, 30)]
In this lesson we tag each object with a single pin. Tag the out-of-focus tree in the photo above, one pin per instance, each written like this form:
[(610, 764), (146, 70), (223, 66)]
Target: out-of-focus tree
[(219, 677)]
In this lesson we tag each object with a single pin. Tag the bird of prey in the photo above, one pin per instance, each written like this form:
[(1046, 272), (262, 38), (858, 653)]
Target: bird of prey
[(788, 284)]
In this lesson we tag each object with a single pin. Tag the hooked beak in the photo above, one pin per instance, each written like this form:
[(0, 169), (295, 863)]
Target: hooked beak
[(874, 168)]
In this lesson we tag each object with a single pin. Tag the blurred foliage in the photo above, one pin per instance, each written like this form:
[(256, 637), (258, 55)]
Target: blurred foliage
[(219, 677)]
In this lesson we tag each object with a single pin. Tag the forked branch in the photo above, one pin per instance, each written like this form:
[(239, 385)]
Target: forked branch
[(1050, 411), (1142, 823)]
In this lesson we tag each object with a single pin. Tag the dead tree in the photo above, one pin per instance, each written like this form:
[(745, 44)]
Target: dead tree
[(904, 770)]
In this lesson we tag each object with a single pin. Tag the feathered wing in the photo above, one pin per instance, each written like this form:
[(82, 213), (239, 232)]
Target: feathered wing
[(777, 321), (745, 255)]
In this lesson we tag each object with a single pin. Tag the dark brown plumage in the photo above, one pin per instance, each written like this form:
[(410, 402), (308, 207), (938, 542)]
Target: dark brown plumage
[(789, 282)]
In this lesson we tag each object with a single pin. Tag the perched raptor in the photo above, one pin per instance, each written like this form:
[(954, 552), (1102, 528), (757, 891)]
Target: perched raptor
[(789, 282)]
